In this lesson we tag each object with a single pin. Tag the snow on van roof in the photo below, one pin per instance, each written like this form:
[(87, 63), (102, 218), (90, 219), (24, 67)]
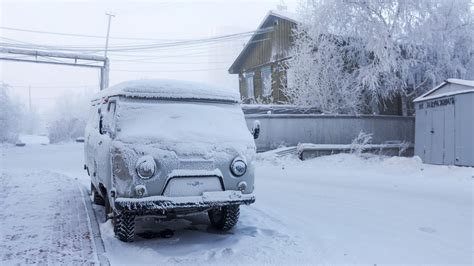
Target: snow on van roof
[(169, 89)]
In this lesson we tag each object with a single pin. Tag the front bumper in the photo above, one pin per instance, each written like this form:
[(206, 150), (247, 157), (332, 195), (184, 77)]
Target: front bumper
[(163, 204)]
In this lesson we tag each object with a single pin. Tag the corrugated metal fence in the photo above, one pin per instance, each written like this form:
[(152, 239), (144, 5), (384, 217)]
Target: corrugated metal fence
[(290, 129)]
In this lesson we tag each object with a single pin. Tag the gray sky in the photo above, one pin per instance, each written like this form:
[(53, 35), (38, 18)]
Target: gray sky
[(161, 19)]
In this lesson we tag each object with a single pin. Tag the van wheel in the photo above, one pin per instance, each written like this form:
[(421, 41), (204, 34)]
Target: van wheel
[(224, 218), (96, 197), (124, 226)]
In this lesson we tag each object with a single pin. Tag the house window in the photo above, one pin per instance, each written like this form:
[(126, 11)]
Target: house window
[(266, 81), (249, 85)]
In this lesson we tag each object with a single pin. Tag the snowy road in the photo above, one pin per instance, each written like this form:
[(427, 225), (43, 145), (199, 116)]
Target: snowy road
[(338, 209), (43, 220)]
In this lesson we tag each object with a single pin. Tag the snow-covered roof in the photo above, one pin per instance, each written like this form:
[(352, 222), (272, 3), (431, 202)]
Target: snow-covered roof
[(467, 87), (169, 89), (284, 15), (464, 82), (271, 14)]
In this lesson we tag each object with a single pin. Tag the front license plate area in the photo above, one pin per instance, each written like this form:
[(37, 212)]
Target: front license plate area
[(191, 186)]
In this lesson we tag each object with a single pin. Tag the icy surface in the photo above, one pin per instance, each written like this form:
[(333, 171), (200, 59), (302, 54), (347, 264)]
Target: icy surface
[(171, 89), (338, 209)]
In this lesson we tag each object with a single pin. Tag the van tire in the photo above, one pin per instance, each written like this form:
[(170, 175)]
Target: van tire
[(96, 197), (124, 227), (224, 218)]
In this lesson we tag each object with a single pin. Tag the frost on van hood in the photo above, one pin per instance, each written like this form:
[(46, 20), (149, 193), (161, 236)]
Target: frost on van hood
[(170, 89)]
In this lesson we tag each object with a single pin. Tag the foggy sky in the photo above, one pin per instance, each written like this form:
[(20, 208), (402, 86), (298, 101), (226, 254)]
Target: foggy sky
[(167, 20)]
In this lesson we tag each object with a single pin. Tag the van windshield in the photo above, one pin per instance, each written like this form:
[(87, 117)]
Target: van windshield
[(181, 122)]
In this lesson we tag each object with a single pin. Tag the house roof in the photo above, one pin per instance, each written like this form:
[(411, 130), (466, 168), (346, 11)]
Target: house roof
[(284, 15), (467, 87), (272, 14)]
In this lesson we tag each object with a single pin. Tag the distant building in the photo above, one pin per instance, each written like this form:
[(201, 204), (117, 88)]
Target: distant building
[(261, 76), (444, 124)]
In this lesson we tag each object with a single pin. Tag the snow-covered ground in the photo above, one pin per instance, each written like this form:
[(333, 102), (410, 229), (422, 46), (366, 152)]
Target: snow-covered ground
[(336, 209)]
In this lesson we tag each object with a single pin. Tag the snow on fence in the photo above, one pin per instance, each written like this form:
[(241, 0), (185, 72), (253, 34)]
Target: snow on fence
[(278, 130), (307, 151)]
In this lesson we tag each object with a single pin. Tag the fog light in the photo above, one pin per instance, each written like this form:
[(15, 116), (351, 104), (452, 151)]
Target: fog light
[(140, 190), (242, 186)]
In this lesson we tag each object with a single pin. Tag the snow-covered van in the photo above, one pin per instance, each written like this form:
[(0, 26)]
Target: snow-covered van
[(168, 149)]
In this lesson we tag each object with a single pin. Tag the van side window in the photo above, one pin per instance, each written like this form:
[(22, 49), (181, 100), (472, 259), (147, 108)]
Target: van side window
[(109, 118), (111, 107)]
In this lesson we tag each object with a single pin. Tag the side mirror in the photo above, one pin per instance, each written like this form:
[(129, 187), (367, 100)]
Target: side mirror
[(256, 129)]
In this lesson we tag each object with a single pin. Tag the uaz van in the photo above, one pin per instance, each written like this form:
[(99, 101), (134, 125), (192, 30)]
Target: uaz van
[(168, 149)]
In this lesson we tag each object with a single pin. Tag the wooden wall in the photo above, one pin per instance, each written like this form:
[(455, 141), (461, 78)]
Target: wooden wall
[(268, 50)]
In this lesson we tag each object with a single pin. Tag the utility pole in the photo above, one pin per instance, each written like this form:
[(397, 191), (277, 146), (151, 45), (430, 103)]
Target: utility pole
[(104, 71), (110, 15)]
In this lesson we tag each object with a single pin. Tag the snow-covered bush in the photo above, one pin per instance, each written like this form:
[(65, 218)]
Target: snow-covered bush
[(66, 129), (360, 143), (404, 146), (68, 120), (347, 52), (10, 113)]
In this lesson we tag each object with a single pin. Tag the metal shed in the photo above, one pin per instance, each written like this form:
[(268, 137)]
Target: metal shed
[(444, 130)]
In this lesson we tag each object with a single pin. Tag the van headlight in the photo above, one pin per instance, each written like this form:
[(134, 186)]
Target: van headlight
[(146, 167), (238, 167)]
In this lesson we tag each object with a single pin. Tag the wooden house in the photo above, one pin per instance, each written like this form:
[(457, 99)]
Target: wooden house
[(259, 65)]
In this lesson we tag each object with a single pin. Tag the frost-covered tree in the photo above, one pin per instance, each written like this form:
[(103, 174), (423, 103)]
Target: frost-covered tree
[(69, 116), (348, 51), (10, 113)]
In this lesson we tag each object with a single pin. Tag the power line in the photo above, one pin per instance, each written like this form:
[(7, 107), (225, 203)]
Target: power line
[(203, 43), (82, 35), (195, 50), (65, 46), (52, 87), (152, 46), (163, 41), (167, 71), (172, 63)]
